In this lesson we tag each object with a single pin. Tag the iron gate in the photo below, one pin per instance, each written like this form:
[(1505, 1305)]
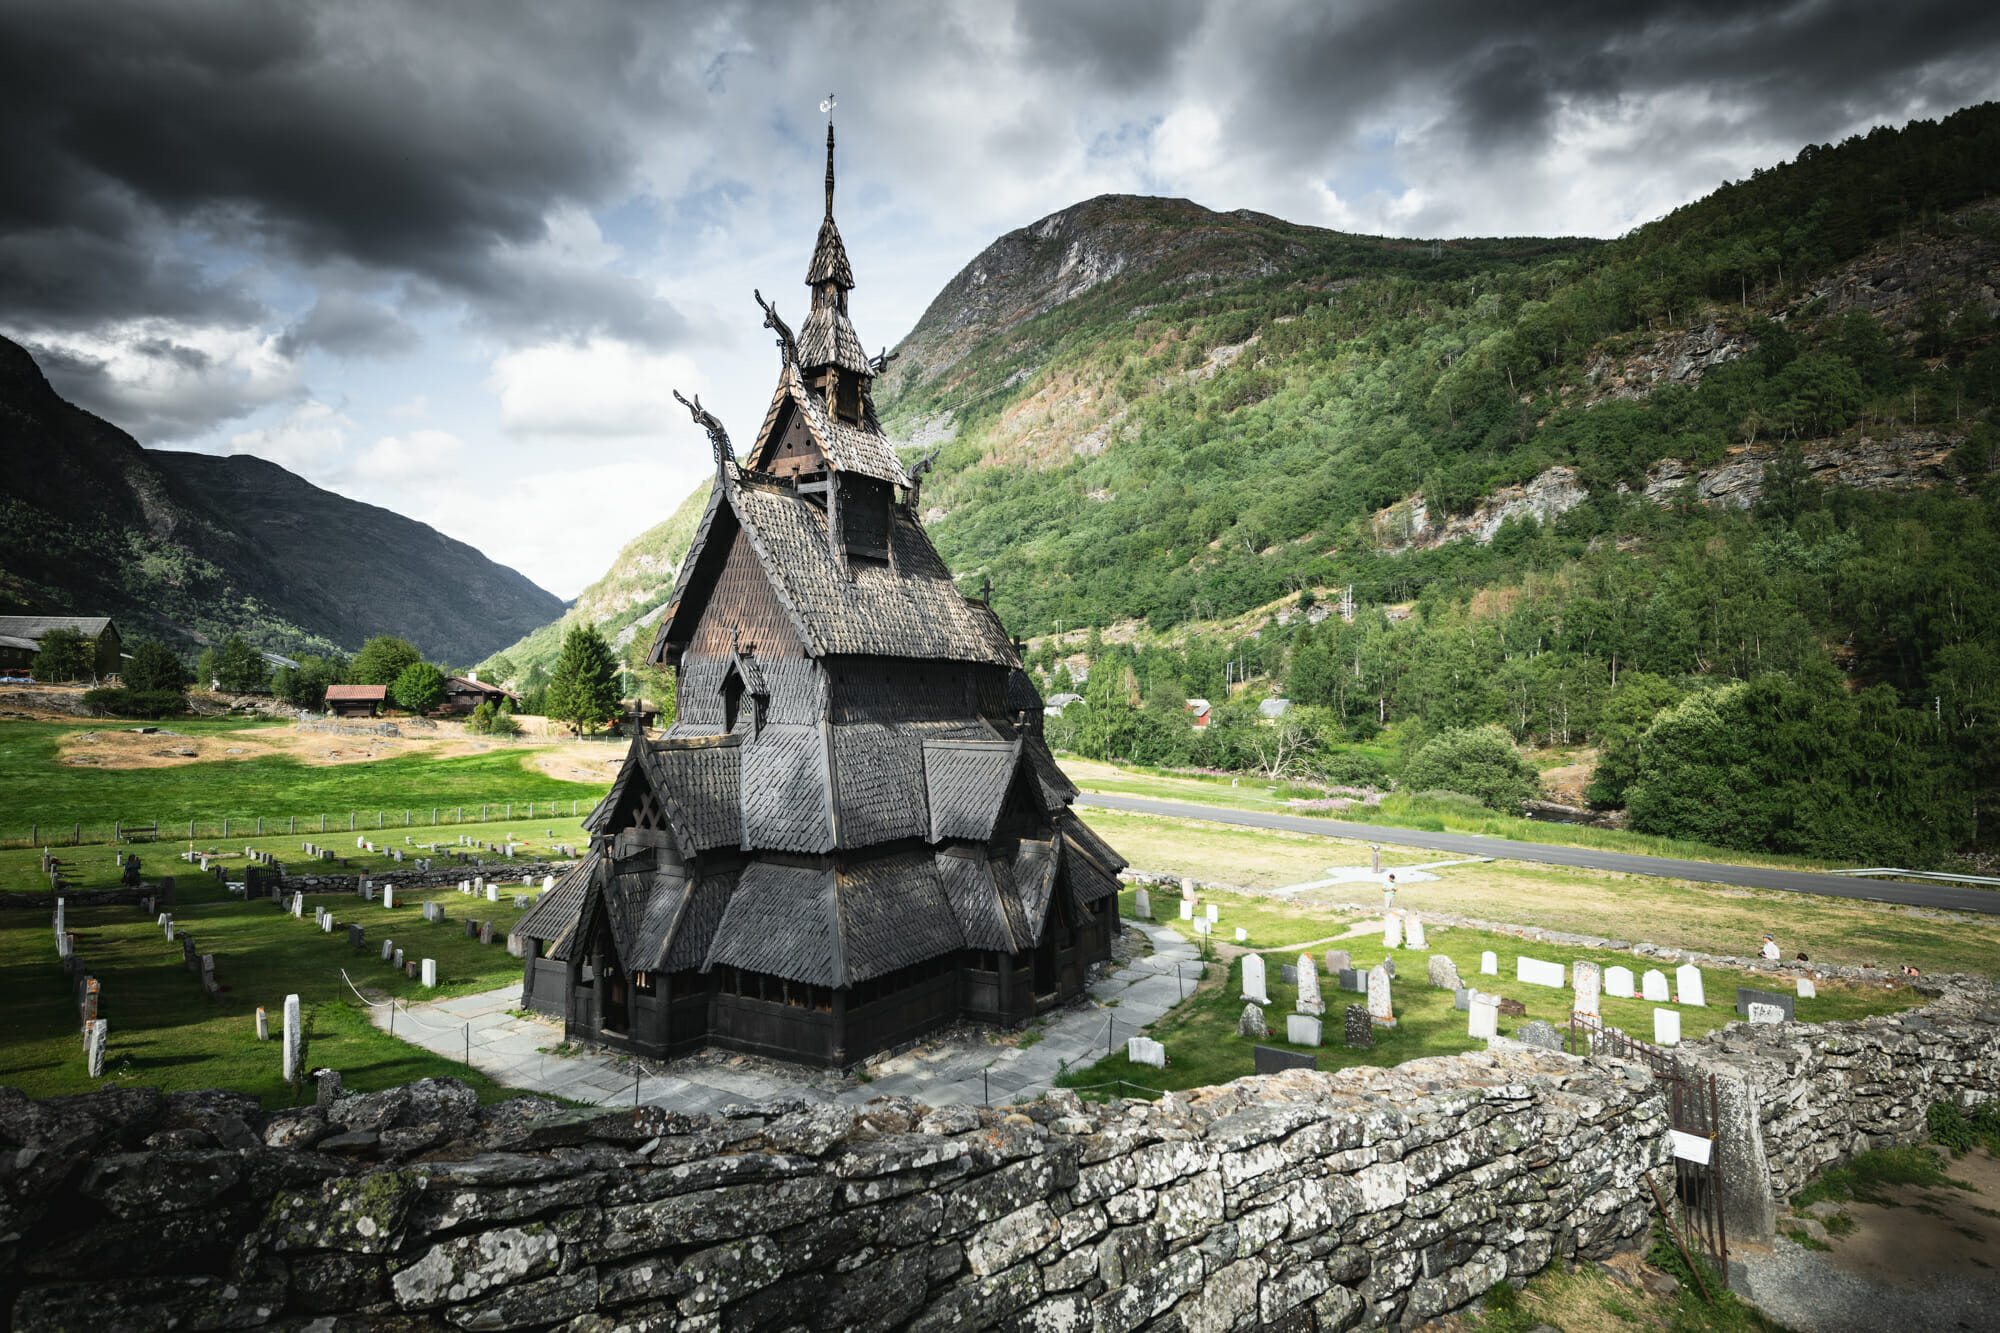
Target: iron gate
[(1693, 1213)]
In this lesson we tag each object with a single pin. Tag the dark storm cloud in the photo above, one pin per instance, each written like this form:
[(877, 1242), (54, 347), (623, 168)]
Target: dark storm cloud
[(349, 325), (413, 139)]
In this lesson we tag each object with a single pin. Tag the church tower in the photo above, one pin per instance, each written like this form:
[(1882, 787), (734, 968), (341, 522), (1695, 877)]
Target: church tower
[(854, 832)]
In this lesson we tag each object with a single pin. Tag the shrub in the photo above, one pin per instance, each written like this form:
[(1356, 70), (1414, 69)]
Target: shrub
[(112, 702), (419, 688), (1480, 762)]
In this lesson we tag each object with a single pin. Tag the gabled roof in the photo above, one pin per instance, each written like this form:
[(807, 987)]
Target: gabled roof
[(979, 902), (828, 339), (907, 608), (554, 914), (34, 627), (828, 927), (967, 784), (848, 447), (357, 693), (467, 685), (829, 261)]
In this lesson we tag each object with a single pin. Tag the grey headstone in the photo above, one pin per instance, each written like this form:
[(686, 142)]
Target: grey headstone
[(1539, 1033), (1252, 1023), (1351, 980), (1338, 961), (1360, 1028), (1288, 973), (1462, 1000), (1272, 1060), (1747, 996)]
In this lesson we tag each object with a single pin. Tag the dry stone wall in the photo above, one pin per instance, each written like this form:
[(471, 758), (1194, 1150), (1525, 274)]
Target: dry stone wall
[(1302, 1200)]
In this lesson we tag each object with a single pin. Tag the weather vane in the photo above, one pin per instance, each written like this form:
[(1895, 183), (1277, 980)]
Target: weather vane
[(826, 107)]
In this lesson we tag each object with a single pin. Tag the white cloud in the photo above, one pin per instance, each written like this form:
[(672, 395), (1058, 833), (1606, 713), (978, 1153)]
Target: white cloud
[(309, 440), (416, 459), (165, 379), (597, 389)]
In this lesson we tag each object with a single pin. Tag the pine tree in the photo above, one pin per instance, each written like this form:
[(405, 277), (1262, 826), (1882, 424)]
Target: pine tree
[(583, 692)]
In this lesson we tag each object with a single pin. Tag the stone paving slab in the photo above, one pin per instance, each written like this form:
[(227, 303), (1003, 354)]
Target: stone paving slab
[(508, 1048)]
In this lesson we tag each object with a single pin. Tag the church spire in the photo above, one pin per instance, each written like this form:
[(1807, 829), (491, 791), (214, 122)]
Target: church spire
[(829, 171), (829, 352)]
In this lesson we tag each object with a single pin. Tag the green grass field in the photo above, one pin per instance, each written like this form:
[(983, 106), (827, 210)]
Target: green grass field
[(164, 1033), (1201, 1039), (45, 790)]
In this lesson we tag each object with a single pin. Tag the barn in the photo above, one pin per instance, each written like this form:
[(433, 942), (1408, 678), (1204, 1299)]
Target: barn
[(853, 833)]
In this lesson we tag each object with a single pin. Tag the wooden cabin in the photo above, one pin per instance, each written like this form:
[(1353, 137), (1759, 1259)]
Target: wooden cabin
[(462, 694), (356, 700), (853, 833)]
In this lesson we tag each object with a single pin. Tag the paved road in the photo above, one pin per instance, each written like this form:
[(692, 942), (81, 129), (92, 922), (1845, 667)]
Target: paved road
[(1706, 872)]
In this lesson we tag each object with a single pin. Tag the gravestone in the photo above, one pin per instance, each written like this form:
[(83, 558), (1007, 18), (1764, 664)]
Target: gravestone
[(1203, 926), (1654, 985), (397, 960), (1302, 1029), (357, 937), (1337, 960), (1618, 982), (1808, 990), (1443, 972), (1276, 1059), (1413, 934), (1309, 999), (1392, 931), (1461, 999), (299, 905), (1253, 979), (486, 932), (1511, 1007), (1587, 981), (471, 928), (1146, 1051), (1358, 1028), (1214, 914), (1380, 1008), (492, 893), (388, 949), (1241, 935), (1483, 1017), (548, 882), (1536, 972), (1687, 981), (1666, 1027), (1142, 905), (96, 1037), (410, 969), (291, 1053), (388, 896), (1252, 1023), (1389, 965), (430, 972), (329, 1086), (521, 901), (1539, 1034), (1187, 909), (1489, 964), (1761, 1013), (1288, 973), (1354, 981), (326, 923), (263, 1024)]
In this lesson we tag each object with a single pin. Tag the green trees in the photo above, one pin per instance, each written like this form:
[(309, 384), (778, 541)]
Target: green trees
[(65, 654), (305, 685), (154, 666), (241, 668), (583, 690), (1480, 762), (381, 660), (419, 688)]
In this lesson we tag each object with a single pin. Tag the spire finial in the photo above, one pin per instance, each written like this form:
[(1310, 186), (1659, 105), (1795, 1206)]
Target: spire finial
[(829, 168)]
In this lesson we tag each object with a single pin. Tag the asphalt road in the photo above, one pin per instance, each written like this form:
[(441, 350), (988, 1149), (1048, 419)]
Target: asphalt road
[(1705, 872)]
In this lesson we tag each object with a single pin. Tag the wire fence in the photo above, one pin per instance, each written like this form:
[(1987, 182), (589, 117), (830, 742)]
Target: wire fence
[(77, 833)]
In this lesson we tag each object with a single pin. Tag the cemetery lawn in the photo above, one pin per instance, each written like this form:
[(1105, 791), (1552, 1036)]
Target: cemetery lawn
[(1710, 918), (45, 788), (93, 867), (1200, 1035), (164, 1033)]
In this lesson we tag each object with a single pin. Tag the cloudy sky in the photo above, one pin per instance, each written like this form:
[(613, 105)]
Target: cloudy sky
[(452, 258)]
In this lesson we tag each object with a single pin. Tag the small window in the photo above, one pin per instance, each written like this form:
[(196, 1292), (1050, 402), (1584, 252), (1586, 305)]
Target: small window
[(732, 700)]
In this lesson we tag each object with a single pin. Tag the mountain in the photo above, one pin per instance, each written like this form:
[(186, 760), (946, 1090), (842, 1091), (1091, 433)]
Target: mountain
[(193, 548), (624, 603)]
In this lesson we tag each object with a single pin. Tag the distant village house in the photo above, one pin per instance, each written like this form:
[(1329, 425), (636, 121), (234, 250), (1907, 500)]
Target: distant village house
[(464, 693), (21, 639), (356, 700)]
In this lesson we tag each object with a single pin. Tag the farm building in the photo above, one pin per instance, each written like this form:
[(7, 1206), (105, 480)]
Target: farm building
[(462, 694), (21, 639), (356, 700), (853, 832)]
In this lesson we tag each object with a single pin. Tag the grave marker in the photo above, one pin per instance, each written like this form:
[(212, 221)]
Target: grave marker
[(1536, 972), (1807, 989), (1142, 905), (1338, 960), (1276, 1060), (1413, 934), (430, 972), (1241, 935), (1360, 1029), (1761, 1013), (1654, 986), (1687, 981), (1618, 982), (1666, 1027), (263, 1024), (292, 1034), (1187, 909), (1302, 1029), (1146, 1051), (486, 932), (1483, 1017), (1539, 1034), (1587, 981), (96, 1036), (357, 937), (1309, 999), (1392, 931), (1380, 1009), (1443, 972), (1251, 1023), (1253, 979), (1354, 981), (1489, 964)]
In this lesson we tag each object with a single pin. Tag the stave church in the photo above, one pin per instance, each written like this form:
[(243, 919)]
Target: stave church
[(853, 834)]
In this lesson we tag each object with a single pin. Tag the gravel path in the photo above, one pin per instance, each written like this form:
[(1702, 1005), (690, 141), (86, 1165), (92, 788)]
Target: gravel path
[(1805, 1291)]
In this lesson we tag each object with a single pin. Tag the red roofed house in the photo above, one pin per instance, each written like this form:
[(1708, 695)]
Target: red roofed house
[(356, 700)]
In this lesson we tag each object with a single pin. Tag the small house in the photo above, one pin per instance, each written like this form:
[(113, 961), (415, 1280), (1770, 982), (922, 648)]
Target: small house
[(21, 639), (462, 694), (1058, 702), (356, 700), (1201, 708)]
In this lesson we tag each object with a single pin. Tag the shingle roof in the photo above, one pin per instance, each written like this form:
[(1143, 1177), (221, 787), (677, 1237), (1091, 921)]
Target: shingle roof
[(1056, 788), (784, 791), (687, 943), (893, 913), (34, 627), (828, 339), (781, 921), (979, 902), (1035, 882), (700, 787), (967, 783), (554, 913), (829, 261), (1089, 863), (361, 693), (852, 448)]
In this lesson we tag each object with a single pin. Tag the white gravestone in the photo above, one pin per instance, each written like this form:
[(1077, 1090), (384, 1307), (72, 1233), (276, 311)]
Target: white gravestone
[(388, 896), (1536, 972), (1489, 964), (430, 972), (1142, 905), (1302, 1029), (1807, 990), (1586, 983), (326, 924), (263, 1024), (492, 893), (1202, 926), (361, 842), (1666, 1027), (1654, 985), (170, 928), (1687, 980), (1380, 1009), (1483, 1016), (291, 1058), (1413, 934), (96, 1036), (1146, 1051), (1187, 909), (397, 959), (299, 905), (1253, 979), (1766, 1013), (548, 882), (1309, 1000), (1618, 982), (1214, 914), (388, 949), (1241, 935), (1392, 931)]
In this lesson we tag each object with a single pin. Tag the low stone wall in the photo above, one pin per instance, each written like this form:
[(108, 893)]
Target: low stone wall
[(1301, 1199), (1797, 1098), (508, 875), (333, 728)]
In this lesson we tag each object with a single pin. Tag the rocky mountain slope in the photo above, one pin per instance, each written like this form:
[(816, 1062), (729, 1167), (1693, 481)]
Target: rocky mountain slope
[(193, 548)]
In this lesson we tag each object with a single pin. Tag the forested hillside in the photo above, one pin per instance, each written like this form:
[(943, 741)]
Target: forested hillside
[(1178, 442)]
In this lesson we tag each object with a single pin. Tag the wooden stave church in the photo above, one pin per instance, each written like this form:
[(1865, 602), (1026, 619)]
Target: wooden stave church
[(854, 832)]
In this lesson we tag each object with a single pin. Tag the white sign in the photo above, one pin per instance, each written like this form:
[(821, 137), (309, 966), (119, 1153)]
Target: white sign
[(1692, 1147)]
